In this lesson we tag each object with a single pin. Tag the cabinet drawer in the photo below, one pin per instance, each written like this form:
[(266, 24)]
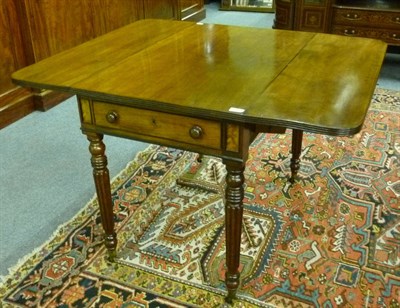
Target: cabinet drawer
[(369, 18), (159, 125), (390, 36)]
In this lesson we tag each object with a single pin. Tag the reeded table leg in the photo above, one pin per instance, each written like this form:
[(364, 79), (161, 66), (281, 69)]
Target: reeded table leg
[(234, 194), (103, 189), (297, 138)]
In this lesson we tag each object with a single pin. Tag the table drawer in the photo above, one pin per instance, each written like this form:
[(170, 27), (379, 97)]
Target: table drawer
[(390, 36), (369, 18), (160, 125)]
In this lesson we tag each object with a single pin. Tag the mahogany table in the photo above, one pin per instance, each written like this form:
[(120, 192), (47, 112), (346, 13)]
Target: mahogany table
[(210, 89)]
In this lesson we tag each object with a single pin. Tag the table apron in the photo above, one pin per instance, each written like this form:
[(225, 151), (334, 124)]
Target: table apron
[(212, 137)]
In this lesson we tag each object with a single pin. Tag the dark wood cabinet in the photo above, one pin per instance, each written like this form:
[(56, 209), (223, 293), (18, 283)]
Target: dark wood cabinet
[(374, 19), (363, 18), (34, 30)]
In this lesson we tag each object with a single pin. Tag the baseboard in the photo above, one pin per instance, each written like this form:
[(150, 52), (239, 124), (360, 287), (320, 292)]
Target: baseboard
[(46, 99), (19, 102), (14, 105)]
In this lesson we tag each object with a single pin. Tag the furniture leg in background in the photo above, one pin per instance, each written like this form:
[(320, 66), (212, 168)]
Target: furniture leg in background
[(297, 138)]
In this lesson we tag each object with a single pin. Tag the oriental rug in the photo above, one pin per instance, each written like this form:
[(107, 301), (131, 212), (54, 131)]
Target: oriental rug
[(331, 239)]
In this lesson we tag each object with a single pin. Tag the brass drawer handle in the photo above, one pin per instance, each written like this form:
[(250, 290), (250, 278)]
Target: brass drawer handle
[(395, 36), (196, 132), (352, 16), (397, 19), (349, 32), (112, 117)]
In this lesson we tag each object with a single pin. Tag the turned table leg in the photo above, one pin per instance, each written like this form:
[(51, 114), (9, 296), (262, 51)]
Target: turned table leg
[(234, 193), (296, 151), (103, 189)]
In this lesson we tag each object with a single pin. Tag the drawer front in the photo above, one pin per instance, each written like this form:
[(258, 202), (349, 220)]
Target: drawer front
[(390, 36), (158, 124), (369, 18)]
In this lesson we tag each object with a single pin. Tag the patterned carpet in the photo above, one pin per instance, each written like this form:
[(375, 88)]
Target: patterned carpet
[(332, 239)]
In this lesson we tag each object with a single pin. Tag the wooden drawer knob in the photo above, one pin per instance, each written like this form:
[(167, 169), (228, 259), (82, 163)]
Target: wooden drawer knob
[(196, 132), (112, 117)]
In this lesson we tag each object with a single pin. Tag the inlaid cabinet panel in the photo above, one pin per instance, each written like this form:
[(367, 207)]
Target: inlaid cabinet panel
[(312, 20), (312, 15), (284, 14)]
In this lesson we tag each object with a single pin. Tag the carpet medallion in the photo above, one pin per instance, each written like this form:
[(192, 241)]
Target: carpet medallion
[(331, 239)]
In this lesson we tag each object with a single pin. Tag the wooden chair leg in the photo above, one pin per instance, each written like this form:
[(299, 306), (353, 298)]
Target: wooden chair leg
[(296, 151)]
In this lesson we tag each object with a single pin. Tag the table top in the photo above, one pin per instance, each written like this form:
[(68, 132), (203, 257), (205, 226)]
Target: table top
[(316, 82)]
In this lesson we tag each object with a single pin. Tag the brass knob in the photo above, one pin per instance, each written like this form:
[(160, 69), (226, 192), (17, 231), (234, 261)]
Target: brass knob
[(397, 19), (349, 32), (196, 132), (112, 117), (352, 16)]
